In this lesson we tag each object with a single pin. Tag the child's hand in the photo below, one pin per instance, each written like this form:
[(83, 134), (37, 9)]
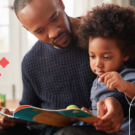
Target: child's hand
[(113, 80), (86, 110)]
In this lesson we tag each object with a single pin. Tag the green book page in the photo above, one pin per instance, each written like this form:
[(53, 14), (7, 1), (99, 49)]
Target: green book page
[(52, 117)]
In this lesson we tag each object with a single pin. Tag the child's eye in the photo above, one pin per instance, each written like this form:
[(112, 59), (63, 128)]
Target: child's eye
[(92, 57), (107, 58)]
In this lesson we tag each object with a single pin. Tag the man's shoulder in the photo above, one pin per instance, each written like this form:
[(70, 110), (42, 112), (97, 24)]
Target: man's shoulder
[(37, 47), (33, 55)]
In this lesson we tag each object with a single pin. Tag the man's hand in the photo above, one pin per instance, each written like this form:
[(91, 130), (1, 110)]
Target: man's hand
[(4, 124), (111, 113), (113, 80)]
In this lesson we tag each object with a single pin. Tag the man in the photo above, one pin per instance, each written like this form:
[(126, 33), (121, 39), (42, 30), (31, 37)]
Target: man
[(55, 71)]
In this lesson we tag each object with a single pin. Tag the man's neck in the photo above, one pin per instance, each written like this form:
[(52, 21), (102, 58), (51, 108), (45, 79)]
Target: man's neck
[(75, 25)]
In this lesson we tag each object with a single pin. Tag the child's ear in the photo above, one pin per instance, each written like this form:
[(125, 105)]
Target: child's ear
[(61, 4), (126, 57)]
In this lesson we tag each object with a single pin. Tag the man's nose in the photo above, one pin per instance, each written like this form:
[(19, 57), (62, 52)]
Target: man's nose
[(53, 32)]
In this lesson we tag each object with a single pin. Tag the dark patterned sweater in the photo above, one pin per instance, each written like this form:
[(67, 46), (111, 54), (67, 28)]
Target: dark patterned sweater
[(55, 78)]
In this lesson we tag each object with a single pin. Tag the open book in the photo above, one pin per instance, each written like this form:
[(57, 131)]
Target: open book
[(59, 118)]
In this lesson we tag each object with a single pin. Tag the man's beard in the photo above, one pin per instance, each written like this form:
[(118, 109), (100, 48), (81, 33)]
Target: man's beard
[(70, 34)]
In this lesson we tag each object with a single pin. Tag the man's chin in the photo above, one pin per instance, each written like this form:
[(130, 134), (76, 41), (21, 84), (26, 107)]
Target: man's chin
[(66, 45), (60, 47)]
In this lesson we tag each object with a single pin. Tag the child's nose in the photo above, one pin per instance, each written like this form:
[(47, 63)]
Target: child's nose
[(99, 63)]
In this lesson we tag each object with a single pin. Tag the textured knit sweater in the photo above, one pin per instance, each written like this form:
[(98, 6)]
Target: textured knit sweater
[(55, 78)]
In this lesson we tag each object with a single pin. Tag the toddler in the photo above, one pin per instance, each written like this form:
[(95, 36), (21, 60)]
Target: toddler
[(108, 32)]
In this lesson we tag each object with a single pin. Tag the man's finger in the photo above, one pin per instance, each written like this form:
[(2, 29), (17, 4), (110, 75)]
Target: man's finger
[(6, 111), (115, 130), (108, 116), (6, 124), (100, 108), (108, 127), (4, 127)]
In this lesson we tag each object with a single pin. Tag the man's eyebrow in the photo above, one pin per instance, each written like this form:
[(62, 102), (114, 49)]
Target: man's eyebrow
[(36, 30), (49, 19), (53, 15)]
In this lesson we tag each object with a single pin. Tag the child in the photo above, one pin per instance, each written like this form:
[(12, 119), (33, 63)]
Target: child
[(109, 34)]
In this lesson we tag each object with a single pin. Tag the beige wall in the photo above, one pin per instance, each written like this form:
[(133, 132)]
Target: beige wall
[(82, 6)]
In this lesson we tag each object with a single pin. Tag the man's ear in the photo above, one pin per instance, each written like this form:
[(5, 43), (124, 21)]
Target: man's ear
[(24, 27), (62, 4), (126, 57)]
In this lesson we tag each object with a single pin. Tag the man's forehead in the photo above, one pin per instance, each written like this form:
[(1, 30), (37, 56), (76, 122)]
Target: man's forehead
[(38, 8)]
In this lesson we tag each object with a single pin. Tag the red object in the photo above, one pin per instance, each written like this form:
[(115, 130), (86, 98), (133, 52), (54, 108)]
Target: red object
[(21, 107), (4, 62)]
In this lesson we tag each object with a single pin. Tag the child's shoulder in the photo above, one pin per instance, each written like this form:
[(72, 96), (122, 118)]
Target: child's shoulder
[(128, 73)]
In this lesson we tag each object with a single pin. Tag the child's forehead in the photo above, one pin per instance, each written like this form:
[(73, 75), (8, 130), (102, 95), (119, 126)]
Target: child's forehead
[(102, 44)]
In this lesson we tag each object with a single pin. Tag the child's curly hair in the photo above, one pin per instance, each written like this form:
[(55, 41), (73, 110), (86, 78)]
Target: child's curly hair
[(110, 21)]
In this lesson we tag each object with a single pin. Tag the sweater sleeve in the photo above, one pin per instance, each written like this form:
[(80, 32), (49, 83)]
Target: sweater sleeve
[(29, 96), (121, 98)]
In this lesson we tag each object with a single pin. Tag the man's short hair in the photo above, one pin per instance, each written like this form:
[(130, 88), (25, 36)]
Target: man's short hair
[(20, 4)]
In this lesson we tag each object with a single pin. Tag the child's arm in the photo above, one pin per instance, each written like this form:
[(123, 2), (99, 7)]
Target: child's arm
[(130, 90), (114, 80)]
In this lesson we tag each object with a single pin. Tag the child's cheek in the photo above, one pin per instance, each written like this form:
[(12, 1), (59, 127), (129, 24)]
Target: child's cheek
[(92, 65)]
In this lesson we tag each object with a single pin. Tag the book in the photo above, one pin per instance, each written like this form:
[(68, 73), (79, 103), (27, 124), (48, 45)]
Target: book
[(59, 118)]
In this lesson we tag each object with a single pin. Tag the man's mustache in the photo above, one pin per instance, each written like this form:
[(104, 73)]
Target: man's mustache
[(59, 34)]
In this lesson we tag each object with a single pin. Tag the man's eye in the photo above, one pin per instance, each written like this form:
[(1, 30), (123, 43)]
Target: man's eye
[(107, 58), (55, 19), (40, 31)]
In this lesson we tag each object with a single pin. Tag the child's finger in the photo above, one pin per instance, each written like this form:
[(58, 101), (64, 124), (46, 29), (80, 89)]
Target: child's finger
[(90, 111), (107, 78), (84, 109), (102, 77), (110, 83)]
